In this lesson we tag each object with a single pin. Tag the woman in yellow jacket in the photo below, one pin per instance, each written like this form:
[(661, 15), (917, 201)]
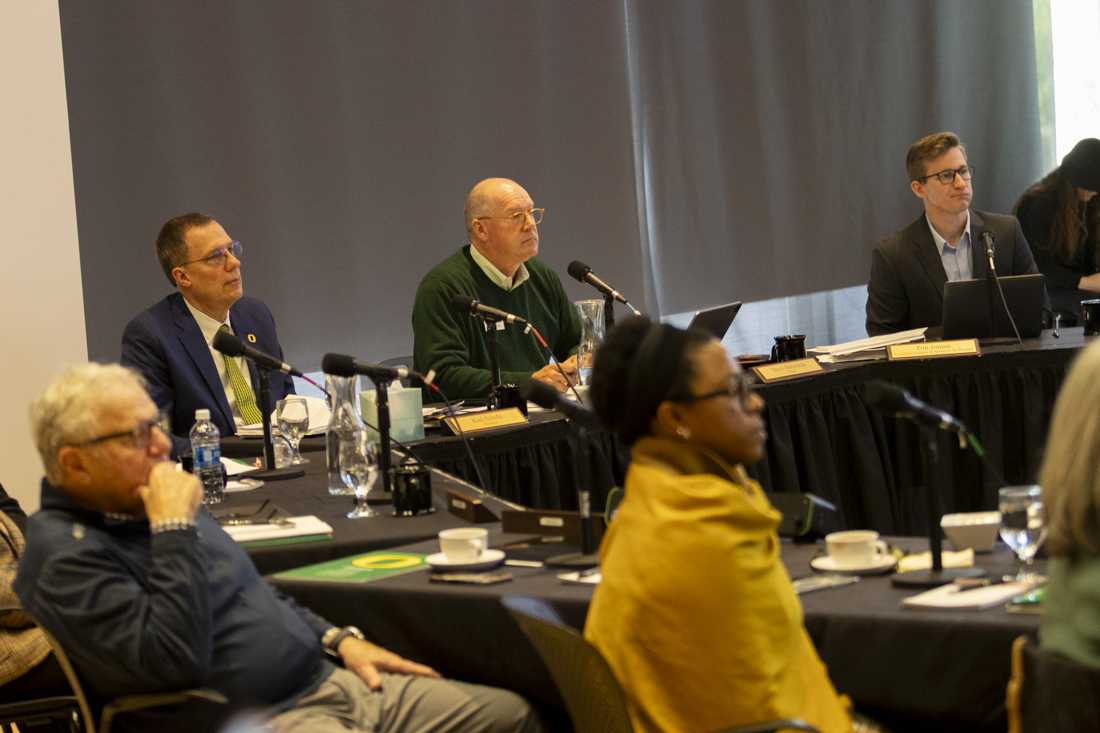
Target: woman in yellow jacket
[(695, 613)]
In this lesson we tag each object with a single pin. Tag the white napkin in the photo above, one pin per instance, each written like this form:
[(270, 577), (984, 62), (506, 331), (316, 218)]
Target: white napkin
[(319, 416)]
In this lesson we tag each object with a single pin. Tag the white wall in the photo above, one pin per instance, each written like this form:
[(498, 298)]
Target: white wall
[(41, 299)]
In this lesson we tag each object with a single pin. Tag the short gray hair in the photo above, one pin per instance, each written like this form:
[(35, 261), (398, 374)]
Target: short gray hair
[(69, 410)]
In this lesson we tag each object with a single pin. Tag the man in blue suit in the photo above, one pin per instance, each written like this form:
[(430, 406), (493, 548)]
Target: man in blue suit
[(169, 343)]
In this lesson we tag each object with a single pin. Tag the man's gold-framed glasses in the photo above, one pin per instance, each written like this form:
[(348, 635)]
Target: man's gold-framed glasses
[(947, 175), (140, 435), (218, 256), (519, 218)]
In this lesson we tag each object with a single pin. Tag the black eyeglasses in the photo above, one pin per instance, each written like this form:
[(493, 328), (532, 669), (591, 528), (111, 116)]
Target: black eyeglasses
[(947, 175), (140, 435), (218, 256), (739, 387)]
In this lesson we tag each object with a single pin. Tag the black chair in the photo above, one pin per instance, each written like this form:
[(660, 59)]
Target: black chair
[(86, 715), (592, 695), (1050, 693), (58, 713)]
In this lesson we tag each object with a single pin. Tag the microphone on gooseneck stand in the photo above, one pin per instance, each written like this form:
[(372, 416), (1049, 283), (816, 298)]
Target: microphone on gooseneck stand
[(987, 238), (893, 400), (581, 418), (583, 273), (228, 344)]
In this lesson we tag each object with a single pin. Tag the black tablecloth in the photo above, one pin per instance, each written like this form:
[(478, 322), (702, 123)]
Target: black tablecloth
[(920, 670), (531, 465), (824, 439), (309, 495)]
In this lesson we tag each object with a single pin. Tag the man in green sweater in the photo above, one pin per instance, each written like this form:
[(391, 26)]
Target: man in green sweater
[(498, 269)]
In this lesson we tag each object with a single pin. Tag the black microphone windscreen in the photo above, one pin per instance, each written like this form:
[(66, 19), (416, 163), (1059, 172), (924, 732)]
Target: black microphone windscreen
[(227, 344), (463, 302), (577, 270), (540, 393), (339, 365), (884, 396)]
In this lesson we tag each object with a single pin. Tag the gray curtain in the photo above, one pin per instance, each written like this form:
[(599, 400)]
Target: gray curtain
[(692, 152)]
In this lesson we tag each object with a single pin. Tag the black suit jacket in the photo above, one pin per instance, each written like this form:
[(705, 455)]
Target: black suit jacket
[(907, 275), (165, 344)]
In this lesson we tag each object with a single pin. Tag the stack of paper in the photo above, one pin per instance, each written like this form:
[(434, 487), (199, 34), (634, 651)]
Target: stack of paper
[(295, 529), (973, 599), (868, 349)]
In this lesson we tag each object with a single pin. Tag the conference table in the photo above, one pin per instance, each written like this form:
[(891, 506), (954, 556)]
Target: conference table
[(913, 670), (825, 439)]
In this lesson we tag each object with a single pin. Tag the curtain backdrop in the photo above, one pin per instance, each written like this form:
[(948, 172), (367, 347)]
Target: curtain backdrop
[(692, 152)]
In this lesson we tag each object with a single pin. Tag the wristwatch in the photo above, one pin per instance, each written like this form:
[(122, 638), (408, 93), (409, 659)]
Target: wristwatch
[(332, 638)]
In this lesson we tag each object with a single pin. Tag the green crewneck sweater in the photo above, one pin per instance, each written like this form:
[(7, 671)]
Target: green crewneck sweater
[(454, 344)]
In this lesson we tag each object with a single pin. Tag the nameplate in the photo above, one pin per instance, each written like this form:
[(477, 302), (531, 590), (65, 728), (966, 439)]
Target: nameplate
[(788, 370), (934, 349), (552, 525), (468, 507), (476, 422)]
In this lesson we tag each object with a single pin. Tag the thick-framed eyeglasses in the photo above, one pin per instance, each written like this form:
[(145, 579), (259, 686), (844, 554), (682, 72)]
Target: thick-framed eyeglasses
[(140, 435), (740, 388), (218, 257), (519, 218), (947, 175)]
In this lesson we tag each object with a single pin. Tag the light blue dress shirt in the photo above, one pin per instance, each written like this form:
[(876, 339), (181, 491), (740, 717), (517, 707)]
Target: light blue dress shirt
[(956, 260)]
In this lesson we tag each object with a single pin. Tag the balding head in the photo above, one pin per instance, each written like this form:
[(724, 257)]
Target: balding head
[(501, 223)]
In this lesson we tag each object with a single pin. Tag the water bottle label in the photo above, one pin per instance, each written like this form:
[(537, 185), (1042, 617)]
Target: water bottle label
[(207, 455)]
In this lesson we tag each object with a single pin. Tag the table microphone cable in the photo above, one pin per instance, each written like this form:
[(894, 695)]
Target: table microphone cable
[(987, 237)]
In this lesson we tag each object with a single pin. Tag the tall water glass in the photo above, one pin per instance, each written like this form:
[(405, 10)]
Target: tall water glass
[(343, 426), (359, 463), (592, 333), (292, 416), (1023, 526)]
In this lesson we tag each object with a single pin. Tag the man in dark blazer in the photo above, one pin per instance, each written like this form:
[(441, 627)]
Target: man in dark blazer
[(169, 343), (909, 268)]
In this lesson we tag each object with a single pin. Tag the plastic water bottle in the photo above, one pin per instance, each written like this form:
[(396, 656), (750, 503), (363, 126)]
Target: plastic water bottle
[(207, 451)]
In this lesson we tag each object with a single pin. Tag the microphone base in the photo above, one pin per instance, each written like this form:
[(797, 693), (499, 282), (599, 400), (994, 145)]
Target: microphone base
[(275, 474), (934, 578), (573, 560)]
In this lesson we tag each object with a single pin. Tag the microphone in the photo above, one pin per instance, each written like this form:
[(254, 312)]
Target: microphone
[(230, 345), (583, 273), (341, 365), (891, 398), (475, 307), (987, 237), (544, 395)]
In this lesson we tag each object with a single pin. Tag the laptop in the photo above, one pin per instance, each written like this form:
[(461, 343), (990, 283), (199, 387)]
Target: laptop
[(966, 305), (716, 321)]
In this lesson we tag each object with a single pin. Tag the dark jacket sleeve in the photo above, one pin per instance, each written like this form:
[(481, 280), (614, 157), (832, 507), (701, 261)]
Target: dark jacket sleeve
[(147, 634), (143, 352), (1023, 263), (887, 304)]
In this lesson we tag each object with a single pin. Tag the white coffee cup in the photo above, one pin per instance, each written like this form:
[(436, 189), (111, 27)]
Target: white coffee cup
[(464, 544), (858, 548)]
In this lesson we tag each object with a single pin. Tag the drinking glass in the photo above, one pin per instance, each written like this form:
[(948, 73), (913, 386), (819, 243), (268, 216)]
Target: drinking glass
[(1022, 526), (592, 327), (359, 464), (292, 415)]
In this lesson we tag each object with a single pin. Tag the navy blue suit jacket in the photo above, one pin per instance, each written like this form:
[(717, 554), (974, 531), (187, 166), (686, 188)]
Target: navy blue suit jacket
[(165, 344)]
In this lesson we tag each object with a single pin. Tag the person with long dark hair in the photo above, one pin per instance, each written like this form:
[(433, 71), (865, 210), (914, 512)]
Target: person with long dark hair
[(695, 612), (1060, 216)]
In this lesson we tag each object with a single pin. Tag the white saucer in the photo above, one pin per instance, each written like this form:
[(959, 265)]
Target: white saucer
[(884, 564), (488, 559)]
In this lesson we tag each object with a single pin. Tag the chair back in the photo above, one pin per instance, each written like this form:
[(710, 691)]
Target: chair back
[(85, 707), (1050, 693), (592, 695)]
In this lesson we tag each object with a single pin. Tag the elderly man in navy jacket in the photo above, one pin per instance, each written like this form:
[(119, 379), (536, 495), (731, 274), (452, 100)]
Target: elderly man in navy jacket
[(147, 593), (169, 344)]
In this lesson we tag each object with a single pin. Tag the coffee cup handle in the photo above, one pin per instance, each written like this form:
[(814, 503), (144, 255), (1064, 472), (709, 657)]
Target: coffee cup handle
[(881, 548)]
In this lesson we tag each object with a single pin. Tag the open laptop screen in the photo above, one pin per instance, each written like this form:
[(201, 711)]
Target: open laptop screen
[(966, 307), (716, 320)]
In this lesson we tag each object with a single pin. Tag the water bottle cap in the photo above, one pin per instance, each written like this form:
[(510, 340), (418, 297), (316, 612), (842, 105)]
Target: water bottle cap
[(202, 414)]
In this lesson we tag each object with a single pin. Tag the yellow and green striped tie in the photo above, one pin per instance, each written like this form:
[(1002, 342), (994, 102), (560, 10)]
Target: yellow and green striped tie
[(242, 390)]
